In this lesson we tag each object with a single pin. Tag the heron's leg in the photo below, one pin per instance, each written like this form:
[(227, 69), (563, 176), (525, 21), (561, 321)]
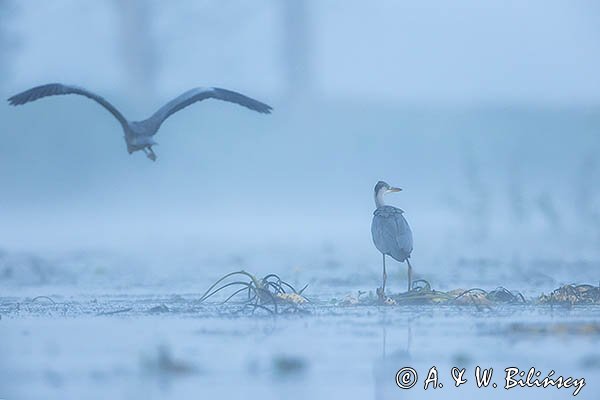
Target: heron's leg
[(150, 153), (384, 275), (409, 275)]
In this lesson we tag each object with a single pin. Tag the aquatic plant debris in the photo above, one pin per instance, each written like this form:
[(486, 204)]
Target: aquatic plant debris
[(422, 293), (286, 365), (162, 362), (572, 295), (585, 328), (242, 294), (271, 293)]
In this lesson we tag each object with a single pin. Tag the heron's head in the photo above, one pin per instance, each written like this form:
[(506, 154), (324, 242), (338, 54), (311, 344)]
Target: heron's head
[(383, 188)]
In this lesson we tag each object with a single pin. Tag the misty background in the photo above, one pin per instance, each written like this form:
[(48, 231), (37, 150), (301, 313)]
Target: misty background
[(486, 114)]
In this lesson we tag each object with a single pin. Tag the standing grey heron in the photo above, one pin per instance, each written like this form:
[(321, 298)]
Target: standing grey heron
[(391, 234), (138, 134)]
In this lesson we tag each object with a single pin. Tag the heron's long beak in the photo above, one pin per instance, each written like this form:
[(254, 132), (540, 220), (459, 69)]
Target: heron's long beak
[(394, 189)]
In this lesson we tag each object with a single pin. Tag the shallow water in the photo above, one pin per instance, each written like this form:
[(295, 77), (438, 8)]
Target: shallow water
[(168, 346)]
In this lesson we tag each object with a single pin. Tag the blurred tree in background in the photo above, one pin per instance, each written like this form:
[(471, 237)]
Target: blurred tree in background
[(7, 40), (296, 48), (138, 47)]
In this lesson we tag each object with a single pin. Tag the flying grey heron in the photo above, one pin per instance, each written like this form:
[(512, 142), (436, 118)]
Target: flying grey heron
[(391, 234), (138, 134)]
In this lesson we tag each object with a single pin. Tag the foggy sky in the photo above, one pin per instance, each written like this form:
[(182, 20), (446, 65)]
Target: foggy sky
[(459, 52), (485, 113)]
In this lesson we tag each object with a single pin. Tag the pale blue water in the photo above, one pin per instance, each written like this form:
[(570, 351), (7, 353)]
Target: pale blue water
[(67, 350)]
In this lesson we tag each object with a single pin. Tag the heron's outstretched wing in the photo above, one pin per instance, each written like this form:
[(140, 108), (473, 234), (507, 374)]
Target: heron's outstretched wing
[(56, 89), (199, 94)]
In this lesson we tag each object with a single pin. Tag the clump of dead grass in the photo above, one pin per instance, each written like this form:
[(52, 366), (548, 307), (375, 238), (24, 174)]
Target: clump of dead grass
[(270, 293)]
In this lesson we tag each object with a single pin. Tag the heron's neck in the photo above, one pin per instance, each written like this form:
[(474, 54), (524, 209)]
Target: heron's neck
[(379, 199)]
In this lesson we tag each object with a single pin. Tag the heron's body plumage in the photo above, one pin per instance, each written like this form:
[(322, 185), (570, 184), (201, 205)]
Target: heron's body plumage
[(391, 233)]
